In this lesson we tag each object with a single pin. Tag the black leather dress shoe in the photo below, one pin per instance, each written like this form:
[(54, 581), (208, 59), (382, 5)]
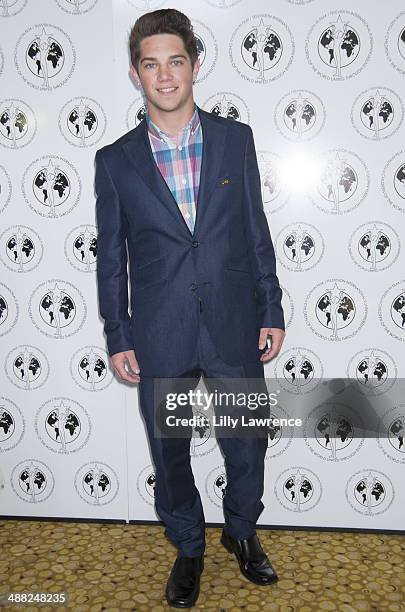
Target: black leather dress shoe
[(253, 561), (183, 585)]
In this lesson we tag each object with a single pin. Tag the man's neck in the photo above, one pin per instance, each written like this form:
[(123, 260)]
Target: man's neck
[(173, 121)]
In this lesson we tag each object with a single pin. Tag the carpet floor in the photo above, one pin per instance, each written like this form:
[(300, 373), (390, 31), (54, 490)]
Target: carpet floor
[(110, 566)]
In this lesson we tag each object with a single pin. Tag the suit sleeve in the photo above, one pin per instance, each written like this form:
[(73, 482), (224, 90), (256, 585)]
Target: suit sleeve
[(112, 276), (261, 250)]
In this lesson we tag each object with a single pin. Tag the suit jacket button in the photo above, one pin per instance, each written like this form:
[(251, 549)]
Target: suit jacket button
[(195, 243), (193, 286)]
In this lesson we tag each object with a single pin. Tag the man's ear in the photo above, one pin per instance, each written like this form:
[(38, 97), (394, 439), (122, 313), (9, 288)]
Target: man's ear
[(196, 68), (134, 74)]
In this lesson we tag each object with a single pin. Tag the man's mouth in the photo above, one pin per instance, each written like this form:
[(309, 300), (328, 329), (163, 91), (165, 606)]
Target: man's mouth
[(167, 90)]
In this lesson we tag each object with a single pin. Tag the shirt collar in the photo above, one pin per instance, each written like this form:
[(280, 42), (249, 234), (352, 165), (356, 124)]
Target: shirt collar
[(192, 125)]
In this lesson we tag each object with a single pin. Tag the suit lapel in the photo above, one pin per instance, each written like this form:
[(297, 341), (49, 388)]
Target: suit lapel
[(138, 149)]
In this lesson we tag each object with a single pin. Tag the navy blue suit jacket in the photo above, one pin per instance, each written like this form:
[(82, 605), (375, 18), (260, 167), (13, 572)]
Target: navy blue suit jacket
[(228, 262)]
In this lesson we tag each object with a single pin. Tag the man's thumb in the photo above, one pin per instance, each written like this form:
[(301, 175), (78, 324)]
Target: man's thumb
[(133, 362), (263, 338)]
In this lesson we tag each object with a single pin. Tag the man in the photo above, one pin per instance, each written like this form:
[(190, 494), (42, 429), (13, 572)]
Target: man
[(182, 189)]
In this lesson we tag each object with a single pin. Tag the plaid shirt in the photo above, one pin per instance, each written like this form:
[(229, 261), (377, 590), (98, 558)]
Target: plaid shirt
[(179, 161)]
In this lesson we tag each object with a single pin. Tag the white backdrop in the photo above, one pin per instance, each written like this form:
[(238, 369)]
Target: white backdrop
[(321, 86)]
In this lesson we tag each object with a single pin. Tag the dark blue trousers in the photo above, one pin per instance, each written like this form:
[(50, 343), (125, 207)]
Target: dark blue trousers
[(177, 500)]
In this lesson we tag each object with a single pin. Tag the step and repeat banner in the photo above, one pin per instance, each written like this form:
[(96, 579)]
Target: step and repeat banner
[(321, 83)]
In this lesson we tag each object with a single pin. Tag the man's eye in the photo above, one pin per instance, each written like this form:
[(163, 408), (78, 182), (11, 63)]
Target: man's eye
[(147, 65), (177, 62)]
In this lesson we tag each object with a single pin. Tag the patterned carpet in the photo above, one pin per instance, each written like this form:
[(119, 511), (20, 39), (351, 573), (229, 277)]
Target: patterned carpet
[(105, 566)]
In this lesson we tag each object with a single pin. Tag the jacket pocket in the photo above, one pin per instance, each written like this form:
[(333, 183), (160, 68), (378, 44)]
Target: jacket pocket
[(239, 277), (150, 273), (148, 263), (151, 291)]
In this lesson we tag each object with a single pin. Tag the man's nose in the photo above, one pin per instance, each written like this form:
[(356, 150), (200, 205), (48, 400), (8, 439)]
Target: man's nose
[(164, 73)]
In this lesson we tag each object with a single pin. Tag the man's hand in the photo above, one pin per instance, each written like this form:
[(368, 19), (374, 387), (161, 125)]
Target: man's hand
[(277, 338), (118, 361)]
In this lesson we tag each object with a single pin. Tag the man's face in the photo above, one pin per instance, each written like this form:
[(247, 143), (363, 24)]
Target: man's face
[(165, 72)]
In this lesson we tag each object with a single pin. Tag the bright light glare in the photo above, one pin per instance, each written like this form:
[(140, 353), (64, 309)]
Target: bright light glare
[(300, 172)]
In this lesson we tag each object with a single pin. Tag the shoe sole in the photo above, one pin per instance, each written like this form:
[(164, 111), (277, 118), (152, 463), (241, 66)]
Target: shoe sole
[(231, 551)]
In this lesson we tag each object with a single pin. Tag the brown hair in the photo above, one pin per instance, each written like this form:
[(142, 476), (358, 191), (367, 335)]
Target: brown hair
[(162, 21)]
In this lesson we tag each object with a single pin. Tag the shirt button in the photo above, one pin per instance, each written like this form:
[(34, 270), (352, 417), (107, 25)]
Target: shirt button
[(184, 181), (180, 148)]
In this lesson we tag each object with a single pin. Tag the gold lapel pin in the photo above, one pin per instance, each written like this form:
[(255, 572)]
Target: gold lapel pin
[(225, 181)]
